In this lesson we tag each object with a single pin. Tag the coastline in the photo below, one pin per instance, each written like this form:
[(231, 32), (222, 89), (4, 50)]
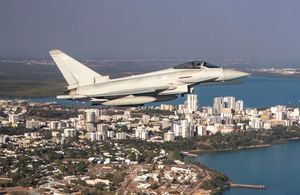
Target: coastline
[(200, 152), (191, 155), (194, 153)]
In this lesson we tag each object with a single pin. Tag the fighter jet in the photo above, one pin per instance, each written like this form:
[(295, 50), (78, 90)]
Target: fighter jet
[(163, 85)]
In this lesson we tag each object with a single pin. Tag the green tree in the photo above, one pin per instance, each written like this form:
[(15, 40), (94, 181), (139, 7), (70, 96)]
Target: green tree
[(80, 167)]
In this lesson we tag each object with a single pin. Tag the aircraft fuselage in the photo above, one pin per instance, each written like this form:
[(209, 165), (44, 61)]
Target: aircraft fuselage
[(162, 85)]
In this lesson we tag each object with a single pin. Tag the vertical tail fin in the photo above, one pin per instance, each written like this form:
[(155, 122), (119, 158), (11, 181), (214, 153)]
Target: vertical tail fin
[(73, 71)]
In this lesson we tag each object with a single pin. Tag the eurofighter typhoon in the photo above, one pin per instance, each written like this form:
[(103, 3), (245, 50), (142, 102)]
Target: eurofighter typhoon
[(163, 85)]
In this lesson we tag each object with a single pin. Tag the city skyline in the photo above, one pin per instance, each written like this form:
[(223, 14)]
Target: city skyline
[(151, 140)]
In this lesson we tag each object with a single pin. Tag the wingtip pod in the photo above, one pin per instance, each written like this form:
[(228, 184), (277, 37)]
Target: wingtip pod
[(55, 52)]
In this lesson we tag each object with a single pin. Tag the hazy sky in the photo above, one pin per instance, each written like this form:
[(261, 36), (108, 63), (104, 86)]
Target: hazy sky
[(152, 28)]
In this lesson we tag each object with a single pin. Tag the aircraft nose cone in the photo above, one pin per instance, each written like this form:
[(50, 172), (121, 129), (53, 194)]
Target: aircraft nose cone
[(233, 74)]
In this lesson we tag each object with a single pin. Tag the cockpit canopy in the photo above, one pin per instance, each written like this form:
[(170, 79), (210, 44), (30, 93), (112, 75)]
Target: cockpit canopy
[(195, 65)]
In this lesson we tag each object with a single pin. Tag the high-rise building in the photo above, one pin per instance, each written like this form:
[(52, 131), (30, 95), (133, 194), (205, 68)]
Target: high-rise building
[(295, 114), (280, 115), (218, 104), (278, 108), (32, 124), (256, 123), (69, 132), (145, 119), (191, 130), (176, 128), (121, 135), (90, 127), (91, 136), (239, 105), (184, 128), (181, 108), (227, 112), (192, 103), (229, 102), (53, 124), (169, 136), (142, 133), (90, 116), (110, 134), (165, 123), (201, 130), (94, 136), (103, 129), (224, 102), (61, 125)]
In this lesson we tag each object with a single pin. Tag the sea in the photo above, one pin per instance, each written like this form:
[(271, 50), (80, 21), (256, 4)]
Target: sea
[(276, 167)]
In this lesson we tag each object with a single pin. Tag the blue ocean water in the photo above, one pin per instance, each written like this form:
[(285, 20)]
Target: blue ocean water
[(277, 167), (255, 91)]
